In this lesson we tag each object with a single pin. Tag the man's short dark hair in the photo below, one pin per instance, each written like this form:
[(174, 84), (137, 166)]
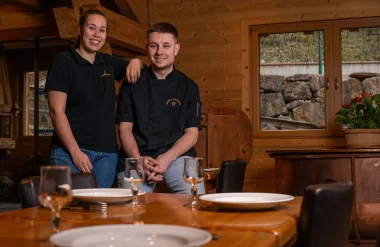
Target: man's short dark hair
[(163, 27)]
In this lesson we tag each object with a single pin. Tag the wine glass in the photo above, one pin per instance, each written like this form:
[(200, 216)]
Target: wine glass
[(55, 190), (134, 174), (193, 174)]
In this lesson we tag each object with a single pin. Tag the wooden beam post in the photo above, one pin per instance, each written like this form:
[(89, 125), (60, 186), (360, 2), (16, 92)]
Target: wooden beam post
[(36, 159)]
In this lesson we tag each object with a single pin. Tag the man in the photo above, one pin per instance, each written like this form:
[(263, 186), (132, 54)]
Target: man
[(81, 96), (159, 116)]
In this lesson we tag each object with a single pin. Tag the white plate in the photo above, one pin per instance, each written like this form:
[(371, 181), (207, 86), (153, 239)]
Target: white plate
[(132, 235), (104, 195), (246, 200)]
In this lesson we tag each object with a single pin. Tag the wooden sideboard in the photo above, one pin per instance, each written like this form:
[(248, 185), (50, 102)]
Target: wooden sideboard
[(296, 169)]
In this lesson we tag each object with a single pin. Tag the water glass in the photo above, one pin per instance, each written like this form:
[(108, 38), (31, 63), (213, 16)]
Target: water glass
[(134, 174), (193, 174), (55, 190)]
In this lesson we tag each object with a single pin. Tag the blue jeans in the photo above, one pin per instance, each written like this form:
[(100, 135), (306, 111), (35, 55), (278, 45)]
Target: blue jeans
[(173, 178), (103, 164)]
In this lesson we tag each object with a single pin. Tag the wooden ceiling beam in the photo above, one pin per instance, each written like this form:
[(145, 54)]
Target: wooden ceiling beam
[(121, 31), (66, 23), (13, 20), (28, 33), (30, 44), (25, 5), (21, 25), (136, 8), (125, 9), (77, 4), (139, 9)]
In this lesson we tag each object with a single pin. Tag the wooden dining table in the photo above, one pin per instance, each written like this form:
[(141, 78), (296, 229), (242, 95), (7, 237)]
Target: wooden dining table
[(269, 228)]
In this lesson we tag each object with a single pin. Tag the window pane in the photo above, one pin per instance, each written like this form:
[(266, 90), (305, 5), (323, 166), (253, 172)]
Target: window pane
[(360, 62), (45, 123), (292, 93)]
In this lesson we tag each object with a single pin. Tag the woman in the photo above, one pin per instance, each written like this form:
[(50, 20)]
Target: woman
[(81, 96)]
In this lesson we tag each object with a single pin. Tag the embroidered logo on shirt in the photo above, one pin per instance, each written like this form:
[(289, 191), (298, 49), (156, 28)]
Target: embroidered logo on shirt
[(105, 74), (173, 102)]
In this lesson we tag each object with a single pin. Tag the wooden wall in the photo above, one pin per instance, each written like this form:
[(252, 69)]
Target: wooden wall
[(211, 54)]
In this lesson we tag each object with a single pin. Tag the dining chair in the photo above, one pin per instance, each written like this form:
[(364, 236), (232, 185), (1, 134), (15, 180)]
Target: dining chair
[(29, 187), (378, 237), (325, 215), (231, 176)]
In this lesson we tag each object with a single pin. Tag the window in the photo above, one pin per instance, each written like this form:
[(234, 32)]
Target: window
[(302, 73), (292, 92), (358, 59), (45, 124)]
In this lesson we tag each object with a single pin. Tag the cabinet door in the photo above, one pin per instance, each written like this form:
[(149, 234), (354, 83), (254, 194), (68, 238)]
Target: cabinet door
[(293, 175), (367, 191)]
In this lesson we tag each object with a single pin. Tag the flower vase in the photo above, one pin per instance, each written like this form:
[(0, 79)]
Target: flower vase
[(362, 138)]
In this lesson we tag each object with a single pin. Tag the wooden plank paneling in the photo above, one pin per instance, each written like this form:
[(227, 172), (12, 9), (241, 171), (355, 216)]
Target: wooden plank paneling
[(204, 24), (49, 30), (199, 7), (214, 51), (353, 8), (211, 66), (211, 39), (214, 38), (220, 95), (218, 82)]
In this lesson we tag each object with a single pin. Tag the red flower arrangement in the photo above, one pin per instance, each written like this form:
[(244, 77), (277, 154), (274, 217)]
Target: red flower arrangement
[(361, 112)]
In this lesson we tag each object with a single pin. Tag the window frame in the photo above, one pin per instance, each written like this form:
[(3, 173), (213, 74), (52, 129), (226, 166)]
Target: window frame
[(23, 129), (256, 31), (338, 25), (332, 71)]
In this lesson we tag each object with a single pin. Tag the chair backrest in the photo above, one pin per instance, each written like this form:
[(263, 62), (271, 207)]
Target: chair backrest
[(29, 187), (325, 215), (231, 176), (29, 191)]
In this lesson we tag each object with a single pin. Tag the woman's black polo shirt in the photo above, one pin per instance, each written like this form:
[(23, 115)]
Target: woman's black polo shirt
[(90, 89), (160, 110)]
